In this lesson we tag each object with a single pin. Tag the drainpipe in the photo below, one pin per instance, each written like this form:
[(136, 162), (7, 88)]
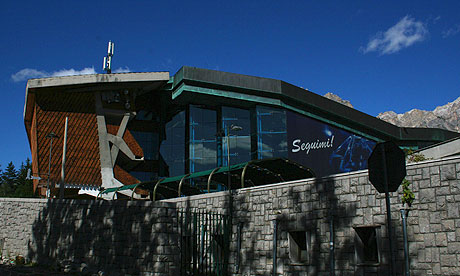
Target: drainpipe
[(404, 215)]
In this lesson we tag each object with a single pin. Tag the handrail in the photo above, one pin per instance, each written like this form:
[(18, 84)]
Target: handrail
[(180, 184), (135, 187), (210, 176), (243, 172), (100, 192), (115, 192), (155, 189)]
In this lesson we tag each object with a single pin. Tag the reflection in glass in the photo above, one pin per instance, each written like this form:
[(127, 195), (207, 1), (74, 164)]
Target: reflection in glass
[(203, 143), (144, 176), (148, 142), (271, 132), (240, 141), (173, 146)]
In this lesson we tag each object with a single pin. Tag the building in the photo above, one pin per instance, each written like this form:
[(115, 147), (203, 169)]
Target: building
[(138, 127)]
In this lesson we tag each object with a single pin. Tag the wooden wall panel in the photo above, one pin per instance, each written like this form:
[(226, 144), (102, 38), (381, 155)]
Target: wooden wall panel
[(82, 159)]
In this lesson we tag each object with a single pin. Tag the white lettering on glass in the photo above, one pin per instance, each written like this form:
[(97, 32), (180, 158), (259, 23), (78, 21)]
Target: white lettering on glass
[(298, 145)]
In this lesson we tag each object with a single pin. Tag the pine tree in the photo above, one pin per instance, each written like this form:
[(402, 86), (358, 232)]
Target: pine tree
[(25, 186), (14, 183), (8, 181)]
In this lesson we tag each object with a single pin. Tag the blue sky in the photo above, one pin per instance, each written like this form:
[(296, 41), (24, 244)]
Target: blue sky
[(380, 55)]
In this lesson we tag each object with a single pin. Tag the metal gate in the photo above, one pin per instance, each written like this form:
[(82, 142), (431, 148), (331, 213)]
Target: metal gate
[(204, 243)]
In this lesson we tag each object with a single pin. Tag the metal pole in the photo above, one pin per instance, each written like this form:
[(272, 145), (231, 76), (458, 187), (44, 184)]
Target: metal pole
[(404, 214), (389, 226), (51, 136), (230, 196), (275, 257), (229, 180), (64, 150)]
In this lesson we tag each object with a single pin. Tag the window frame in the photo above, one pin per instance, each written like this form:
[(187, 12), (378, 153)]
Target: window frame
[(295, 252), (360, 246)]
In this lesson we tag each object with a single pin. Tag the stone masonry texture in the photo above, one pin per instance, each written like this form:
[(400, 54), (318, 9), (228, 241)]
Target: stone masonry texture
[(116, 237), (141, 238)]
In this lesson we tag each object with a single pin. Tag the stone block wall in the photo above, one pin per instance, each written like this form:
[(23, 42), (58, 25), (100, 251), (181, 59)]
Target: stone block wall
[(116, 237), (141, 238), (348, 201)]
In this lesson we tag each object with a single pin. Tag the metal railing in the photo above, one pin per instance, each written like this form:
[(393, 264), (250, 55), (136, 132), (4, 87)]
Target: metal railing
[(204, 243)]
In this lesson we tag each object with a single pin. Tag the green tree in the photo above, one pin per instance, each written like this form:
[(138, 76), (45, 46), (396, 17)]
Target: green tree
[(24, 186), (8, 181), (14, 183)]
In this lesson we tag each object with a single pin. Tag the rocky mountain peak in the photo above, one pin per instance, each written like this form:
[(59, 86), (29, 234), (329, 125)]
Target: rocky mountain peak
[(445, 117), (336, 98)]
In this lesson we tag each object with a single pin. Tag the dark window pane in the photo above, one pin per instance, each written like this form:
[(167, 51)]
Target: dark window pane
[(173, 147), (271, 132), (203, 142), (239, 138), (148, 141)]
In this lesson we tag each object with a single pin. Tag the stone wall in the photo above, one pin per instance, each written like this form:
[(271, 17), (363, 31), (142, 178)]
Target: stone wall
[(142, 237), (116, 237), (348, 201)]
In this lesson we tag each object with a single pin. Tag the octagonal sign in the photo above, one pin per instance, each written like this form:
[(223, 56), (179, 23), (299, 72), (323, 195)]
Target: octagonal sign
[(387, 167)]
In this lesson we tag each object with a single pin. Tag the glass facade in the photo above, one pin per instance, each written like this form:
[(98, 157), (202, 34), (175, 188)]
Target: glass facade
[(173, 146), (149, 142), (239, 138), (197, 138), (271, 132), (203, 139)]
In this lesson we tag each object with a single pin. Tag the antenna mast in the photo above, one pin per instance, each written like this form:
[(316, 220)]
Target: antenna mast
[(107, 66)]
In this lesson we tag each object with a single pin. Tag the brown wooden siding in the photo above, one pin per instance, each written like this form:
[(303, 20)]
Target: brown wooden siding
[(82, 159), (123, 176)]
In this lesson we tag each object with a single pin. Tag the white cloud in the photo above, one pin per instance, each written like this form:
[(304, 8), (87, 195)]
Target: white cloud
[(73, 72), (122, 70), (29, 73), (402, 35), (452, 31)]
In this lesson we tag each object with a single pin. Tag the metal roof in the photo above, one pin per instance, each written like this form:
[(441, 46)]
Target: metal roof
[(213, 86)]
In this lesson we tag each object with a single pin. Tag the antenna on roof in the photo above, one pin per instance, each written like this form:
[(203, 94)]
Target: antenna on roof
[(107, 66)]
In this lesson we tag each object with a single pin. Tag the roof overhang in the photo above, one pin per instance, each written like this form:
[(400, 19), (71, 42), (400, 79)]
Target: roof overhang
[(90, 83), (199, 84)]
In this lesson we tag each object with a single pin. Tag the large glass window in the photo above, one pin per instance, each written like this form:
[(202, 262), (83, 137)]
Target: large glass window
[(173, 147), (271, 132), (239, 138), (144, 176), (203, 139), (148, 142)]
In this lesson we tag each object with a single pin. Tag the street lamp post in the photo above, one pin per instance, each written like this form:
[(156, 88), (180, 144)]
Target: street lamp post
[(229, 179), (230, 128), (51, 136)]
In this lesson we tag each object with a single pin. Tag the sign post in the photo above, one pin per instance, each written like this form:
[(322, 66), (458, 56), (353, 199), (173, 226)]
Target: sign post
[(387, 169)]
